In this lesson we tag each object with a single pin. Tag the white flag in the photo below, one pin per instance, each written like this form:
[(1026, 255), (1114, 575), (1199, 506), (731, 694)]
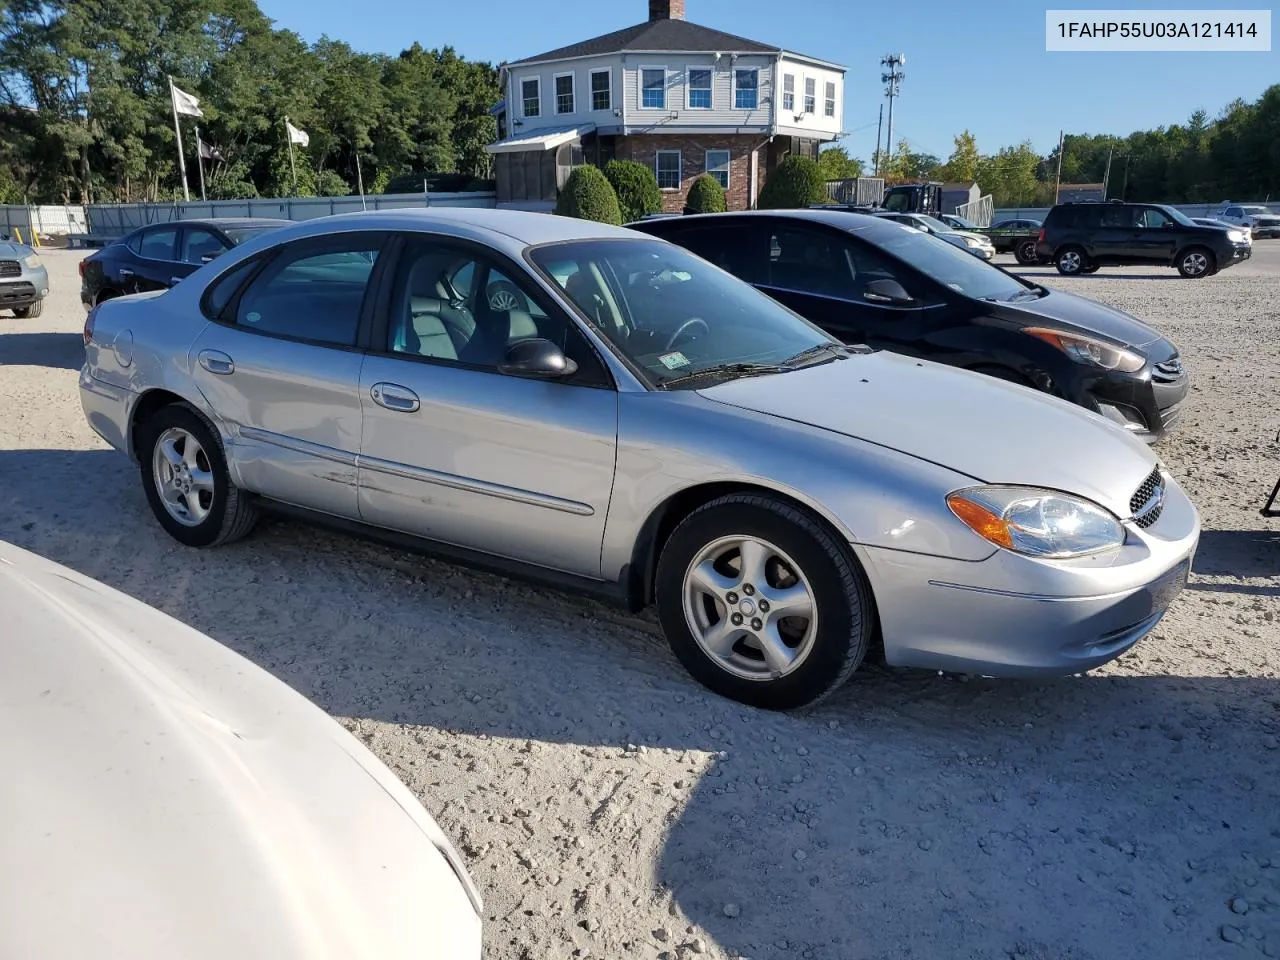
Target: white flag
[(296, 135), (184, 103)]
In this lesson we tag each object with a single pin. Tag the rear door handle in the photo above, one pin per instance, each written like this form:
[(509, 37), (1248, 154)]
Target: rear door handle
[(395, 397), (215, 361), (173, 280), (126, 272)]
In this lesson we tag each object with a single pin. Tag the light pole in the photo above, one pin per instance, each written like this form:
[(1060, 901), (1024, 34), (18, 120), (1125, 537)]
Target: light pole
[(892, 80)]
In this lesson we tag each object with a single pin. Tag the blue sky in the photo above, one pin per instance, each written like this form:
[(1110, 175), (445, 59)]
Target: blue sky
[(982, 66)]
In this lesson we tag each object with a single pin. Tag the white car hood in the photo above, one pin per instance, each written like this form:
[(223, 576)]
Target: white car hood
[(165, 798), (991, 430)]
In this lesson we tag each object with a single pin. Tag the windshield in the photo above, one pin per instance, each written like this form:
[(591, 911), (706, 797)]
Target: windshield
[(935, 223), (670, 313), (953, 266), (1262, 210), (1178, 216), (238, 235), (965, 224)]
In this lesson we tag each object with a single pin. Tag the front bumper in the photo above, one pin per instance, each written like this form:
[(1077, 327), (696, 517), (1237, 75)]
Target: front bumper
[(1015, 616), (25, 289), (1236, 253)]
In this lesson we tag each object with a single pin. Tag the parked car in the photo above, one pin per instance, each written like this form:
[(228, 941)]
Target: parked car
[(1017, 237), (606, 411), (867, 281), (1259, 220), (167, 798), (958, 223), (157, 256), (24, 281), (973, 243), (1081, 237)]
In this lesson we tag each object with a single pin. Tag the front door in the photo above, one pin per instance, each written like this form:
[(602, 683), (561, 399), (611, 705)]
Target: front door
[(457, 451), (281, 371), (1155, 236)]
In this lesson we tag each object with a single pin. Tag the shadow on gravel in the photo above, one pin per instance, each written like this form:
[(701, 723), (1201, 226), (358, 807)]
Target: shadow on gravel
[(1239, 553), (911, 816), (61, 350)]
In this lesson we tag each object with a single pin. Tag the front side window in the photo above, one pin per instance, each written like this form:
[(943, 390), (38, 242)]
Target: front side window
[(531, 96), (310, 294), (601, 91), (654, 88), (746, 92), (810, 95), (564, 93), (788, 92), (950, 266), (668, 169), (669, 313), (699, 88), (718, 166), (158, 244), (1153, 219), (829, 108), (197, 244)]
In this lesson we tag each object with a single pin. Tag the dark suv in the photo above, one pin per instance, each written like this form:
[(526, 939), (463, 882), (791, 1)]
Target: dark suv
[(1081, 237)]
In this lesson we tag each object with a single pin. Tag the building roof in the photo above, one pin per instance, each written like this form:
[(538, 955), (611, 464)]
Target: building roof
[(541, 138), (657, 36)]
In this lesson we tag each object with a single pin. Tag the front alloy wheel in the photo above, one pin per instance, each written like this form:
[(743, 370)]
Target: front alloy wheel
[(1196, 263)]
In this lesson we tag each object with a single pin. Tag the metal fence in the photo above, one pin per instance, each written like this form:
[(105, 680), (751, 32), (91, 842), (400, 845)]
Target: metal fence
[(1190, 209), (978, 212), (860, 190), (47, 220), (116, 219)]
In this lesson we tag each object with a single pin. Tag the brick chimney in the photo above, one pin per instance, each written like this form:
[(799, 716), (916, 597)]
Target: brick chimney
[(666, 9)]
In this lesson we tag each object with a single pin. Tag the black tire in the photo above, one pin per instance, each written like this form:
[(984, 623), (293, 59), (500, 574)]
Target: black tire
[(1025, 253), (841, 593), (1071, 260), (1091, 268), (29, 312), (232, 512), (1196, 263)]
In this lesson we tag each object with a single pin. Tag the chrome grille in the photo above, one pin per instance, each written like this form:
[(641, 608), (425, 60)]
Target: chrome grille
[(1168, 371), (1147, 501), (10, 268)]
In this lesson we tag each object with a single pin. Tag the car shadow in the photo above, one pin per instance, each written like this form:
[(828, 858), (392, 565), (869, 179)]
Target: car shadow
[(1239, 553), (911, 815), (58, 350)]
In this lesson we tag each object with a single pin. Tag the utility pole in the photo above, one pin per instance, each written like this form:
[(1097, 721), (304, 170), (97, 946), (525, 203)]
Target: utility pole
[(1057, 185), (893, 87), (879, 123), (1106, 177)]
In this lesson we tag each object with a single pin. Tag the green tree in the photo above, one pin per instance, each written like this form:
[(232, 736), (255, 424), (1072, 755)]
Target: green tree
[(706, 196), (907, 164), (834, 163), (796, 182), (588, 195), (636, 187), (962, 165)]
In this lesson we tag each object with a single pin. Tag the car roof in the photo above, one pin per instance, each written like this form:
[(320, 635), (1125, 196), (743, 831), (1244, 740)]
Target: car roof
[(870, 225), (218, 223)]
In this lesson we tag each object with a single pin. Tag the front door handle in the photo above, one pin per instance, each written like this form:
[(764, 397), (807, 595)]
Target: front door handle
[(395, 397), (215, 361)]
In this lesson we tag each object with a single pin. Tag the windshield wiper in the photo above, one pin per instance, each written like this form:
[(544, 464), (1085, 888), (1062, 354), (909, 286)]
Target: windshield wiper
[(727, 370), (837, 351)]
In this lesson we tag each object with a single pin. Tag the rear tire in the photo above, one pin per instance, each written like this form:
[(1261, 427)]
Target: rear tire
[(1071, 261), (1196, 263), (30, 312), (185, 477), (725, 577), (1025, 253)]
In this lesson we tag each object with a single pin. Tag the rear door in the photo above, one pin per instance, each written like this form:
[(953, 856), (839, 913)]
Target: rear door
[(281, 368), (197, 247), (155, 265)]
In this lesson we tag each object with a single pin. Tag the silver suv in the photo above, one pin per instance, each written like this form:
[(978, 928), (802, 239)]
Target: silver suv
[(24, 282)]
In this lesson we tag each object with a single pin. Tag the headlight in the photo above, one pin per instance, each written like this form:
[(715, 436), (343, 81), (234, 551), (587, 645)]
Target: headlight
[(970, 242), (32, 260), (1087, 350), (1036, 523), (1237, 236)]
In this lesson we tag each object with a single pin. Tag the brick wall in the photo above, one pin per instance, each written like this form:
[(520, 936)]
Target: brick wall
[(643, 148)]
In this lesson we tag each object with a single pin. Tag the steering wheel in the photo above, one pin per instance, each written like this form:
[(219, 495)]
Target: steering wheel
[(683, 330), (503, 295)]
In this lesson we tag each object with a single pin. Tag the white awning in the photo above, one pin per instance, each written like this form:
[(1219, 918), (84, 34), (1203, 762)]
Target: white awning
[(543, 138)]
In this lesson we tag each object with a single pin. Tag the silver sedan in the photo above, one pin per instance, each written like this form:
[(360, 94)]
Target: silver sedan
[(607, 412)]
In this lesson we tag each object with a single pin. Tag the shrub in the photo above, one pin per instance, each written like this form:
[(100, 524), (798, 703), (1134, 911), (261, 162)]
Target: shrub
[(587, 195), (706, 196), (636, 187), (796, 182)]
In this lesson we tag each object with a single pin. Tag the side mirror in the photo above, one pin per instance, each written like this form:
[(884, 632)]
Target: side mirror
[(889, 292), (537, 359)]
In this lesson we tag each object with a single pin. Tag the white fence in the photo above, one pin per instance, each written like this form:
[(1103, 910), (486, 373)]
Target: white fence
[(46, 220), (977, 212), (116, 219)]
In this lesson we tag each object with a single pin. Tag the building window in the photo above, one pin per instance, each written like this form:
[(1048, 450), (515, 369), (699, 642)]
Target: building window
[(746, 89), (699, 88), (810, 95), (531, 95), (564, 93), (789, 92), (667, 168), (829, 109), (653, 94), (601, 90), (718, 166)]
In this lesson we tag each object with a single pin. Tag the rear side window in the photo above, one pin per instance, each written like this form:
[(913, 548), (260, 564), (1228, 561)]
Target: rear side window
[(134, 242), (223, 290), (158, 244), (737, 248)]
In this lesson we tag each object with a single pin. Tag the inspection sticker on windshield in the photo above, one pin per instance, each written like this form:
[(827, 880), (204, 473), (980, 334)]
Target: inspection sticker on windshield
[(673, 361)]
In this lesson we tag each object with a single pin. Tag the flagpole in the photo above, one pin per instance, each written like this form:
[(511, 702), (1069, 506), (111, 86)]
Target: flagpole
[(182, 163), (289, 137), (200, 163), (360, 182)]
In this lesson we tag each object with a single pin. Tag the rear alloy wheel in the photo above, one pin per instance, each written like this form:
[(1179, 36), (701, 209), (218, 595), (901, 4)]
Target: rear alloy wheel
[(1025, 253), (184, 474), (29, 312), (1071, 261), (761, 603), (1196, 263)]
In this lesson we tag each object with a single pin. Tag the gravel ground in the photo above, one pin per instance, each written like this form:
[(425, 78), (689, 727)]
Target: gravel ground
[(609, 807)]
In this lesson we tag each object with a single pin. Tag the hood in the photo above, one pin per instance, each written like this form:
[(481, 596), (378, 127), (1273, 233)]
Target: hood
[(166, 798), (1089, 316), (993, 431), (9, 250)]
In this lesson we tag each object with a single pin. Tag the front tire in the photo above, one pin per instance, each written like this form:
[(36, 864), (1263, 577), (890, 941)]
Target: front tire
[(1071, 261), (185, 477), (1196, 263), (30, 311), (762, 604)]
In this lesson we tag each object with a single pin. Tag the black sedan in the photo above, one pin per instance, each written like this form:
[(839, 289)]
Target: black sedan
[(157, 256), (869, 280)]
